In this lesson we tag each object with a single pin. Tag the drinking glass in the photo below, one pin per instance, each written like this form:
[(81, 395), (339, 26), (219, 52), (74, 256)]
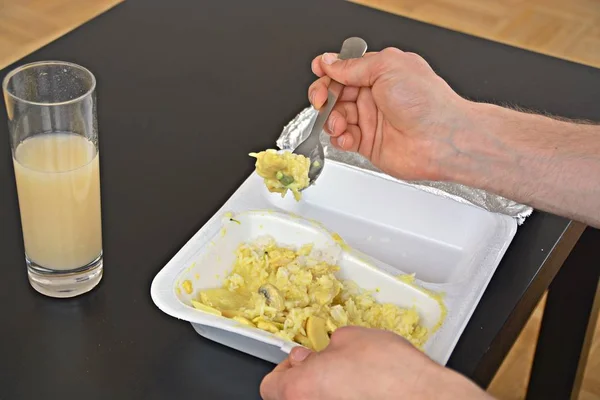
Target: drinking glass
[(51, 107)]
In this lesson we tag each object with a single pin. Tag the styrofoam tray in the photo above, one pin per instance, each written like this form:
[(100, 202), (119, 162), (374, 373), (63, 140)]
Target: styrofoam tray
[(392, 228)]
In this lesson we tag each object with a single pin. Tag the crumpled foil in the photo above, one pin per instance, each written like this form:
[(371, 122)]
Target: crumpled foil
[(296, 131)]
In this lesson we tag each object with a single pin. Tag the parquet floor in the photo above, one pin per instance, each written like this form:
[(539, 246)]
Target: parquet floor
[(27, 25), (568, 29)]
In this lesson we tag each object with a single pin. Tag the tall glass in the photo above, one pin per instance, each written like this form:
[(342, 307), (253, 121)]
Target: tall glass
[(51, 109)]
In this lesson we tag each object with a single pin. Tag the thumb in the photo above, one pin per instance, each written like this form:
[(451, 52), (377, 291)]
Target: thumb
[(298, 355), (359, 72)]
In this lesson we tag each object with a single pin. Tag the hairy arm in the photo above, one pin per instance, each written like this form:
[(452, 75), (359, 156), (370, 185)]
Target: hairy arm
[(550, 164), (396, 111)]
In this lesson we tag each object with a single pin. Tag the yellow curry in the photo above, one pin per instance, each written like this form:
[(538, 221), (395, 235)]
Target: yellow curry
[(294, 295)]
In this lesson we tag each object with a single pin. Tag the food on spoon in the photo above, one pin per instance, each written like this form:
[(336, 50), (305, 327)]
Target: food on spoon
[(283, 171), (295, 294)]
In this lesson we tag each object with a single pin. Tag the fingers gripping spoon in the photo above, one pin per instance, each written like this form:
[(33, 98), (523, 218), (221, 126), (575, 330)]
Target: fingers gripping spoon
[(311, 147)]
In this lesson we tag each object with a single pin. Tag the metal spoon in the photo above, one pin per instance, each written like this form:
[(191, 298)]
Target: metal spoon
[(311, 147)]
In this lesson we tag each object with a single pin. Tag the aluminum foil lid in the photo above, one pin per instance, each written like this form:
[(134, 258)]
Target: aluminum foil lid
[(298, 129)]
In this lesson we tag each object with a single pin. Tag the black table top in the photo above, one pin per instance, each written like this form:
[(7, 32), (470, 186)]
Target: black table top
[(186, 88)]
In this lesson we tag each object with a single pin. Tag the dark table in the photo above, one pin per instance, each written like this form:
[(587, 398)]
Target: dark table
[(185, 89)]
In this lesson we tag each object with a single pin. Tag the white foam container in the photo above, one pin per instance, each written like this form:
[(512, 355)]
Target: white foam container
[(392, 229)]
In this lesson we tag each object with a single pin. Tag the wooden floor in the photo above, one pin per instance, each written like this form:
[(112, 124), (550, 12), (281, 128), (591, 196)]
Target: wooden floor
[(27, 25), (568, 29)]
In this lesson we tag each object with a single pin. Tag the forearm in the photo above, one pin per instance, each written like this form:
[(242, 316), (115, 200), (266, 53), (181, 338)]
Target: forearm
[(549, 164)]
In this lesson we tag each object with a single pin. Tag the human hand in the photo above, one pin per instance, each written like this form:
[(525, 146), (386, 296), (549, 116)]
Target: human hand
[(394, 110), (364, 364)]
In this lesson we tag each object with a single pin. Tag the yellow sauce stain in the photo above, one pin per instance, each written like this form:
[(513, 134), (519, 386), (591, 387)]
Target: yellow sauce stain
[(338, 239), (223, 232), (409, 279), (187, 286), (443, 315), (197, 276), (190, 267), (177, 290)]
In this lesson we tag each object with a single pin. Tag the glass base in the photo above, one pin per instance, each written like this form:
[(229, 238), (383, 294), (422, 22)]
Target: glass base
[(63, 284)]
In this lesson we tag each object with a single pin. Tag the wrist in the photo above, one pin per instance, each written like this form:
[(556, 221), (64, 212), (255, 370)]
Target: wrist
[(529, 158), (483, 149)]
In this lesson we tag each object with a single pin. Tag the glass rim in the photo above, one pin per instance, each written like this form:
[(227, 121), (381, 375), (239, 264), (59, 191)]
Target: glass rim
[(23, 67)]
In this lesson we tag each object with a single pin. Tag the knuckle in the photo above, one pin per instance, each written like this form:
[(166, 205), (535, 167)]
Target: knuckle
[(316, 86), (414, 56), (322, 83), (391, 51), (388, 57), (420, 61)]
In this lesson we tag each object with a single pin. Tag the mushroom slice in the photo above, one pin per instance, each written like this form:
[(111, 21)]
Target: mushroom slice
[(274, 298), (316, 330)]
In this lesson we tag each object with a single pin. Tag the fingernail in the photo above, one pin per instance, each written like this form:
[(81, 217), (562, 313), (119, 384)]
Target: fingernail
[(299, 354), (329, 58), (331, 124), (341, 140), (311, 97)]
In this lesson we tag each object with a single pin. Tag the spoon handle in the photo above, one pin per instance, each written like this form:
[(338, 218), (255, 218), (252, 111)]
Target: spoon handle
[(311, 147), (353, 47)]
